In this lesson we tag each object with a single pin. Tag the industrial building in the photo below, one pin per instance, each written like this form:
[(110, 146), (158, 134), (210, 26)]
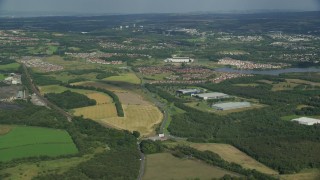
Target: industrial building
[(231, 105), (188, 91), (179, 60), (306, 121), (213, 95)]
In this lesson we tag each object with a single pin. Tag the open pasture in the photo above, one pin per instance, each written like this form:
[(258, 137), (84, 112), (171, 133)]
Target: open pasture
[(10, 67), (140, 118), (100, 85), (128, 78), (97, 112), (165, 166), (2, 77), (23, 141)]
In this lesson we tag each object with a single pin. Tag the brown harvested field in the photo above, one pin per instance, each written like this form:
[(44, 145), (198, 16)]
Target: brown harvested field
[(130, 98), (232, 154), (140, 118), (4, 129), (165, 166), (100, 98), (97, 112), (308, 174)]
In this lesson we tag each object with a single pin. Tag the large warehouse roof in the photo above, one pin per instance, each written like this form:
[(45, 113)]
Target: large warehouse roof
[(212, 95), (231, 105), (307, 121)]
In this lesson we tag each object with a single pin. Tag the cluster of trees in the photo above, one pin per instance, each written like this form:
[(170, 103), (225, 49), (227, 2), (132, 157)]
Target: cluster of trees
[(115, 98), (70, 100), (151, 147), (120, 161), (44, 80), (260, 133)]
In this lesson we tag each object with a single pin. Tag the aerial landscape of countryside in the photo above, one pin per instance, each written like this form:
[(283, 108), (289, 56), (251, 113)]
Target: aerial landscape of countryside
[(152, 96)]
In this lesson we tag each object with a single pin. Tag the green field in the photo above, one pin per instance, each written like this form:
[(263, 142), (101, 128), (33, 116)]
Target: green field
[(128, 78), (23, 141), (2, 77), (166, 166), (10, 67)]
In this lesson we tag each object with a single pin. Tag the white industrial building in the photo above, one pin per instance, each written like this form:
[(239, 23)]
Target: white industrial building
[(231, 105), (307, 121), (213, 95), (179, 60), (188, 91)]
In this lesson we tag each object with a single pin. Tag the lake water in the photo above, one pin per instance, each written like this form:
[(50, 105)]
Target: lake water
[(269, 72)]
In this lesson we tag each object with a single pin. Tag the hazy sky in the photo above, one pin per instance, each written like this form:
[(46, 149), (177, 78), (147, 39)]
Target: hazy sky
[(153, 6)]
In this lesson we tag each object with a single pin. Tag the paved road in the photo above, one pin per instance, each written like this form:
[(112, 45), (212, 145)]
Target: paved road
[(142, 163), (48, 103)]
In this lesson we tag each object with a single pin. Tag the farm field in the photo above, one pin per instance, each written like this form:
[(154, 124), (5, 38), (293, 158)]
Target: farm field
[(232, 154), (100, 85), (10, 67), (292, 83), (2, 77), (23, 141), (97, 112), (130, 98), (140, 118), (60, 89), (166, 166), (65, 77), (308, 174), (128, 78), (28, 171)]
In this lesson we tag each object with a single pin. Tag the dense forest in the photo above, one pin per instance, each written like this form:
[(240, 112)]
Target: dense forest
[(283, 145), (70, 100)]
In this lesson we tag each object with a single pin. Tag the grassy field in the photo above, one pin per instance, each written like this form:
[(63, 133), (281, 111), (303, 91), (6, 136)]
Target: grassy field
[(10, 67), (128, 78), (65, 77), (291, 83), (24, 141), (232, 154), (60, 89), (165, 166), (29, 170), (2, 77), (101, 85), (140, 118), (97, 112)]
